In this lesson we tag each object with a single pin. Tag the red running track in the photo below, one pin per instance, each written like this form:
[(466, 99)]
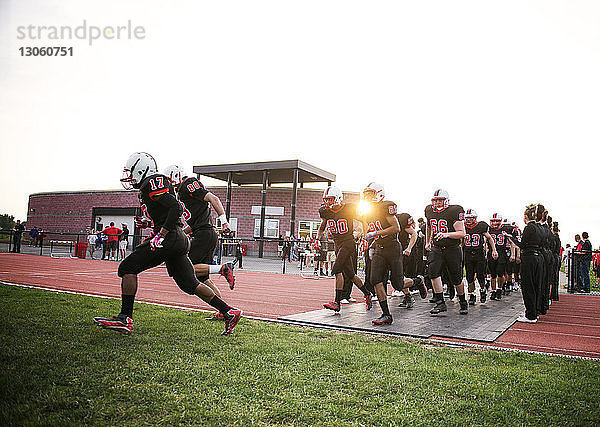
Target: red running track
[(571, 327)]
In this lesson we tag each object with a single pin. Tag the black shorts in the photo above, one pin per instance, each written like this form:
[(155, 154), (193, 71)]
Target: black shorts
[(387, 258), (475, 263), (498, 266), (202, 246), (451, 258), (112, 245), (173, 254), (345, 260), (410, 265)]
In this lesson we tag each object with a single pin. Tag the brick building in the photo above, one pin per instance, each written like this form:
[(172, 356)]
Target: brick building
[(78, 211)]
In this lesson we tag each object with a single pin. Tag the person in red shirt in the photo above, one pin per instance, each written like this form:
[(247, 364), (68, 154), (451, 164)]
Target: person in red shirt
[(113, 240)]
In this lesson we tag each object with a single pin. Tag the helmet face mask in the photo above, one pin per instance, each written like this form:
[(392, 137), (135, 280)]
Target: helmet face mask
[(138, 166), (175, 175), (496, 220), (440, 200), (470, 217), (332, 196), (373, 193)]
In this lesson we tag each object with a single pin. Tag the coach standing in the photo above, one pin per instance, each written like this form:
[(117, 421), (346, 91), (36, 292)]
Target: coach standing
[(585, 258)]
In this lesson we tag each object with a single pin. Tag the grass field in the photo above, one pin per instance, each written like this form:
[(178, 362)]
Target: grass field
[(58, 368)]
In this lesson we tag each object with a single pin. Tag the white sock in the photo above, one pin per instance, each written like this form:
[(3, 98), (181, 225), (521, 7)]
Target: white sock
[(212, 269)]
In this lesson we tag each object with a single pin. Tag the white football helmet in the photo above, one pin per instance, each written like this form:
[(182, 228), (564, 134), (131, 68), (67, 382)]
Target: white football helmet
[(138, 166), (373, 192), (175, 174), (440, 200), (332, 196), (496, 220), (470, 216)]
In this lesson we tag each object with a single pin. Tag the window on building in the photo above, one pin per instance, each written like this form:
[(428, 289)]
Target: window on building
[(308, 229), (271, 228)]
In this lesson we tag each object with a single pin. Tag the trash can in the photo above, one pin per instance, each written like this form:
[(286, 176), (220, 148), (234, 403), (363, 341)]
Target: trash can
[(80, 249), (244, 249)]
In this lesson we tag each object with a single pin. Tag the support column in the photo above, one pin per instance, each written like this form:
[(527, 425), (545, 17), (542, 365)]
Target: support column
[(294, 197), (228, 202), (263, 206)]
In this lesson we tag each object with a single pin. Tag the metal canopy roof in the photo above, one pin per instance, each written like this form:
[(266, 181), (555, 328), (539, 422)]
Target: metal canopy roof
[(280, 172)]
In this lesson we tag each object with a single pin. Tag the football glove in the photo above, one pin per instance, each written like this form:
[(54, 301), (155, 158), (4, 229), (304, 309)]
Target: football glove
[(370, 235), (142, 222)]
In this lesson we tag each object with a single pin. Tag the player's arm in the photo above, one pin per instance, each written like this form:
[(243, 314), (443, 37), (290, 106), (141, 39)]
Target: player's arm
[(457, 234), (491, 244), (393, 228), (427, 236), (218, 207), (413, 239)]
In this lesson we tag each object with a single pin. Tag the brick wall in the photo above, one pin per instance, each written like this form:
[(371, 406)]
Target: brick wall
[(72, 211)]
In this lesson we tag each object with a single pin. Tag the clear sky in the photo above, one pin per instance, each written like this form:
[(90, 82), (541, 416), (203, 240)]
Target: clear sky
[(496, 102)]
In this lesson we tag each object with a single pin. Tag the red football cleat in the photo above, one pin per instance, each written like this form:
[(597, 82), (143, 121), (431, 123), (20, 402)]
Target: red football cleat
[(232, 319), (383, 320), (369, 302), (227, 272), (332, 305), (118, 323)]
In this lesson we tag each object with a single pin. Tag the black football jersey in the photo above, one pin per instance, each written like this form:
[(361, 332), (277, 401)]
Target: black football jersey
[(405, 221), (196, 211), (499, 238), (376, 219), (339, 222), (474, 237), (443, 222), (159, 203)]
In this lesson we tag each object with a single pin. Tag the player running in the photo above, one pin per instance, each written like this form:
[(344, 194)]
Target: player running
[(498, 266), (379, 219), (339, 220), (196, 201), (475, 262), (408, 238), (445, 229), (168, 243)]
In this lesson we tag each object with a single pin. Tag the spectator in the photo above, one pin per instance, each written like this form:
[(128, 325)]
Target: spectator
[(238, 254), (99, 239), (585, 258), (112, 234), (123, 241), (91, 238), (104, 240), (596, 263), (40, 237), (287, 249), (33, 233), (18, 232)]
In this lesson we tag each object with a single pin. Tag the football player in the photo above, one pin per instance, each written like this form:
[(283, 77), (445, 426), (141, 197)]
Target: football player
[(408, 238), (339, 220), (498, 266), (168, 243), (510, 229), (379, 219), (445, 229), (475, 262), (196, 201)]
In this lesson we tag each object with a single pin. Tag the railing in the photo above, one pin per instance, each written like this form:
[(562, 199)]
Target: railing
[(583, 274)]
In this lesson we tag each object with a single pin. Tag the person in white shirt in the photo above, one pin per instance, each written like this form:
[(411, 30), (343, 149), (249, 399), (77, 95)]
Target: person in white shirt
[(91, 238)]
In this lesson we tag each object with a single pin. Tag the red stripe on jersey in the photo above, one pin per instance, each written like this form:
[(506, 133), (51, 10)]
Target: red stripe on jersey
[(158, 192)]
